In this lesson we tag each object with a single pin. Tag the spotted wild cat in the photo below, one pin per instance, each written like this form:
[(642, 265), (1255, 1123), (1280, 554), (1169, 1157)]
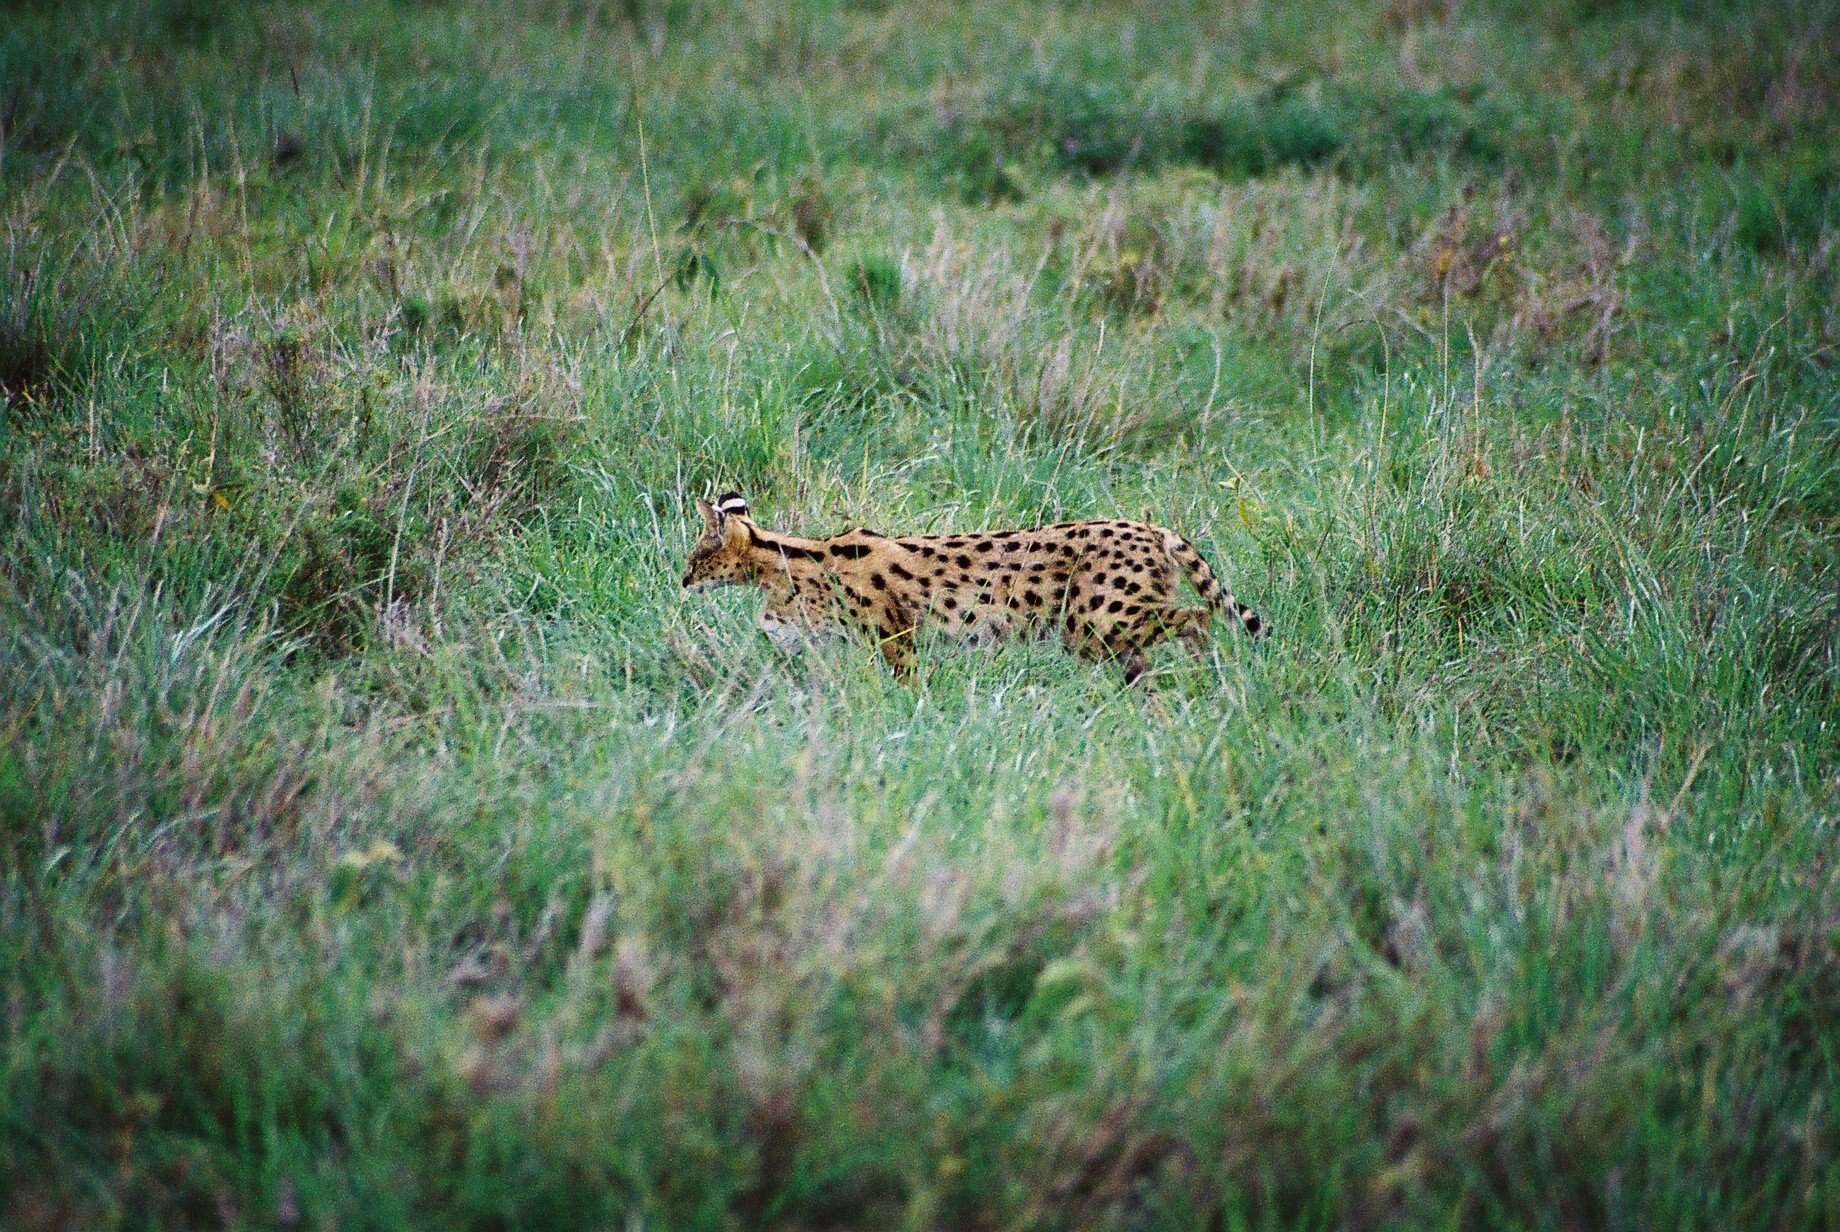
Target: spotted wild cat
[(1107, 588)]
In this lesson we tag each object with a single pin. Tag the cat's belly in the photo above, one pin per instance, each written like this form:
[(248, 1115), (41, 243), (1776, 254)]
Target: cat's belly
[(792, 635)]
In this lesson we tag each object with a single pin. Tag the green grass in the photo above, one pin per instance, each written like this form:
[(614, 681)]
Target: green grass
[(385, 839)]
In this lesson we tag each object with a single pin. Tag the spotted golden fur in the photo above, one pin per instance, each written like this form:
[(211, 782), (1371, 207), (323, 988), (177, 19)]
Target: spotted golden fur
[(1107, 588)]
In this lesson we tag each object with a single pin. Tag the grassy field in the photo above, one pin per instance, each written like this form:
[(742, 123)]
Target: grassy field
[(386, 840)]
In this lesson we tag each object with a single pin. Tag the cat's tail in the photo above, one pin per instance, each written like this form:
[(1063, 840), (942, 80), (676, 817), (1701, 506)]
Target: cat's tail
[(1183, 553)]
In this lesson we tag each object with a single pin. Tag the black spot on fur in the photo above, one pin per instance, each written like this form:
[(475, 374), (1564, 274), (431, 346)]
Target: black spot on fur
[(788, 550)]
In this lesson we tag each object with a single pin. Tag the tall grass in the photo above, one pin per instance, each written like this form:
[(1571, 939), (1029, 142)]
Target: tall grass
[(388, 841)]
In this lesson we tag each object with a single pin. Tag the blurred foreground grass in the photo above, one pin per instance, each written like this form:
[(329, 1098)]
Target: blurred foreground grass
[(386, 841)]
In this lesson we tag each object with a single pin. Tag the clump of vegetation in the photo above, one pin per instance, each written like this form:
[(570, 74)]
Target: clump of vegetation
[(1788, 210), (877, 281), (63, 317), (386, 838), (990, 149)]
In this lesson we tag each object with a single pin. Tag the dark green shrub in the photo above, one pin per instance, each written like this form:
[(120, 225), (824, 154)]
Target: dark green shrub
[(876, 279), (1252, 139), (1784, 211)]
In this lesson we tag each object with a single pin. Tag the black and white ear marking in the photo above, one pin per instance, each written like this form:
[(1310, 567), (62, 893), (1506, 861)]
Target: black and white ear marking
[(731, 502)]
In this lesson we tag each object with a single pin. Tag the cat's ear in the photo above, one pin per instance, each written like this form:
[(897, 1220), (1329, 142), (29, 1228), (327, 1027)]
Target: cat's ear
[(731, 503), (712, 519)]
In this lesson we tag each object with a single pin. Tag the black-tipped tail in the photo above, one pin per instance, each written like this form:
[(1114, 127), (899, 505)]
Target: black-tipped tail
[(1189, 561)]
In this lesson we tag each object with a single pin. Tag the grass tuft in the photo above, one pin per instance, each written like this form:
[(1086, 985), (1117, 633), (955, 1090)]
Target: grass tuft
[(386, 838)]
